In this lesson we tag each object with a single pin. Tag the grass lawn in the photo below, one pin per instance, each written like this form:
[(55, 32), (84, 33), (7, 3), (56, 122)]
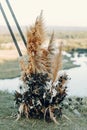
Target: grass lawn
[(9, 69), (7, 118)]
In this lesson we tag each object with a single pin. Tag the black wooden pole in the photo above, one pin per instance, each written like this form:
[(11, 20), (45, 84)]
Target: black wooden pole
[(14, 17), (11, 32)]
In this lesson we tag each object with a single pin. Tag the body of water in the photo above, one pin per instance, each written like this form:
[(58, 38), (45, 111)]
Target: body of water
[(78, 82)]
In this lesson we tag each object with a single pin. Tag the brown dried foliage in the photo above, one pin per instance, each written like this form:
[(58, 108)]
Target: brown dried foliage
[(41, 60)]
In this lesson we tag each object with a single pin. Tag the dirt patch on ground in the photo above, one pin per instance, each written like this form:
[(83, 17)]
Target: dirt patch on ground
[(8, 55), (11, 54)]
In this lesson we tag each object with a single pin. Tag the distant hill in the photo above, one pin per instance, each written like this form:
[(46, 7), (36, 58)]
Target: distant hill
[(4, 29), (65, 28)]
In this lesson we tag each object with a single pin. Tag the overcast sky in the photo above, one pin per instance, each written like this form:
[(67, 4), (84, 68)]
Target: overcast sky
[(55, 12)]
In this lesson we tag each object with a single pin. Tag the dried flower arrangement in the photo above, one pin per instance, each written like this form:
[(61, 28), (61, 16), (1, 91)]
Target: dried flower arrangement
[(45, 89)]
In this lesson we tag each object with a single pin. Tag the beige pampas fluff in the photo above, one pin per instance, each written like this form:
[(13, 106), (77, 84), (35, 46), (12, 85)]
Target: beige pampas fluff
[(35, 38), (41, 60), (57, 63)]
